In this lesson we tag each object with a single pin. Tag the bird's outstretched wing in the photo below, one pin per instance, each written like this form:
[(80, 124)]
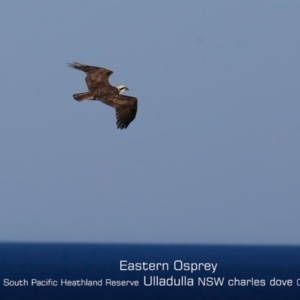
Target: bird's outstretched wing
[(96, 77), (126, 109)]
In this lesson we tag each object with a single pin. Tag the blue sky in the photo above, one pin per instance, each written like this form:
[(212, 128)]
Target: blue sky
[(213, 154)]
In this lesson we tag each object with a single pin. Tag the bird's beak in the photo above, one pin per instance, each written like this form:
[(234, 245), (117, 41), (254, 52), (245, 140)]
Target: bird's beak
[(126, 88)]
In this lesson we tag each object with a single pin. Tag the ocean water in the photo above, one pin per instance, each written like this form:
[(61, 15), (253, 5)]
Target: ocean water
[(117, 271)]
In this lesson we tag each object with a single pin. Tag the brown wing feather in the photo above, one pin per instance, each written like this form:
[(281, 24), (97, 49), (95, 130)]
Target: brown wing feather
[(97, 78), (126, 109), (98, 84)]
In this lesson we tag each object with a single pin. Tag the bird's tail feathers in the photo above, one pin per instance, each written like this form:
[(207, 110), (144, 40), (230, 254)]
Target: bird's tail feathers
[(83, 96)]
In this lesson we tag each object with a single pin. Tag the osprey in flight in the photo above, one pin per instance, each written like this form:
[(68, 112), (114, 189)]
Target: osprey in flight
[(100, 89)]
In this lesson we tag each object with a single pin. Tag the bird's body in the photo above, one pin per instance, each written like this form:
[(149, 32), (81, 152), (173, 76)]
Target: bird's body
[(100, 89)]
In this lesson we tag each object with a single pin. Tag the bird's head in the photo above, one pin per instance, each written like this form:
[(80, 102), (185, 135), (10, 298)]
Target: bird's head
[(122, 88)]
